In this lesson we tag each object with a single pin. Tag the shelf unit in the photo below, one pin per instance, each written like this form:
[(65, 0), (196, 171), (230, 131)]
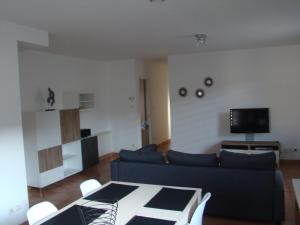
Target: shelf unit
[(68, 156), (86, 101), (52, 146), (70, 171), (70, 125), (72, 163)]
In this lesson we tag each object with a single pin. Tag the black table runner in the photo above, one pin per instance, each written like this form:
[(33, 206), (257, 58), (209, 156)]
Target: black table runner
[(140, 220), (112, 193), (171, 199)]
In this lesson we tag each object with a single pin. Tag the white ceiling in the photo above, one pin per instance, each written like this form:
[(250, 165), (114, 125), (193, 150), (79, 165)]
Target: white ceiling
[(114, 29)]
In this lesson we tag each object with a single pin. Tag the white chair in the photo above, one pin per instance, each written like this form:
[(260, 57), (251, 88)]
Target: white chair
[(88, 186), (198, 214), (40, 211)]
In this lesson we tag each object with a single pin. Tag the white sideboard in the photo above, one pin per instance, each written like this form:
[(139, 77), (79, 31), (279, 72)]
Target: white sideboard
[(48, 160)]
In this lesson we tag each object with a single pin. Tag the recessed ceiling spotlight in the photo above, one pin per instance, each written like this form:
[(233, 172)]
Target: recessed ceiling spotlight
[(157, 0), (201, 39)]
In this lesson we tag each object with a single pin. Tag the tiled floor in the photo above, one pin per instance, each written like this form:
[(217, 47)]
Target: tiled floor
[(67, 191)]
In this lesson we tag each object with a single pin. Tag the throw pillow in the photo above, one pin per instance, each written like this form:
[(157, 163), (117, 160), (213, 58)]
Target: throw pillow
[(148, 148), (264, 161), (180, 158), (145, 157)]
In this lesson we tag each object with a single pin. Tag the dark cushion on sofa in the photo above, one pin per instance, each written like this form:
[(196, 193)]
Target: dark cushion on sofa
[(148, 148), (136, 156), (180, 158), (263, 161)]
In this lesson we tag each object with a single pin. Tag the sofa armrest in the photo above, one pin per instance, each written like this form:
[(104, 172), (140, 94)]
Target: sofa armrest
[(114, 168), (278, 197)]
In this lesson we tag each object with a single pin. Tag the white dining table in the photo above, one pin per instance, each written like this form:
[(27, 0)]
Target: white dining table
[(134, 203)]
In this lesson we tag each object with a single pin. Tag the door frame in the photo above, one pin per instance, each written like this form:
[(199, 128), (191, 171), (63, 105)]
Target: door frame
[(146, 96)]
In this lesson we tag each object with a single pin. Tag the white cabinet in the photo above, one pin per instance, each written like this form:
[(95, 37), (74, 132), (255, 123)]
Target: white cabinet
[(48, 133), (82, 101), (41, 131), (51, 176), (47, 159)]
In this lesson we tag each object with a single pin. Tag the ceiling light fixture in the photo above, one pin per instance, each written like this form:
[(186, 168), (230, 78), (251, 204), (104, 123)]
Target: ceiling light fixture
[(157, 0), (201, 39)]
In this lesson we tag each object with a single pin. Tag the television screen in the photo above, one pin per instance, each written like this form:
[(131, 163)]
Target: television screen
[(249, 120)]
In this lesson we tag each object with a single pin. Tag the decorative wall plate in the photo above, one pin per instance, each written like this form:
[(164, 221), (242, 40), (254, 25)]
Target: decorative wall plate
[(182, 92), (200, 93), (208, 81)]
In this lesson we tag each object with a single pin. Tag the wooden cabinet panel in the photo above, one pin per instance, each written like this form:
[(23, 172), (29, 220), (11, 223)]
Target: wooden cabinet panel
[(89, 148), (50, 158), (69, 125)]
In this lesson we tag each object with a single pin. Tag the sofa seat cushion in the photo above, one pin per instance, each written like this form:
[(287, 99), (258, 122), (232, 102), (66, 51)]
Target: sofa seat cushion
[(264, 161), (180, 158), (138, 156)]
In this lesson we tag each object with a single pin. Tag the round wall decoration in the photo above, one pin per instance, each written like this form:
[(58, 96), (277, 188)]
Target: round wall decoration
[(182, 92), (208, 82), (200, 93)]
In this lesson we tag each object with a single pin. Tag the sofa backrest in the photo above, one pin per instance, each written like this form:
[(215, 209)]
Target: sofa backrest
[(240, 193)]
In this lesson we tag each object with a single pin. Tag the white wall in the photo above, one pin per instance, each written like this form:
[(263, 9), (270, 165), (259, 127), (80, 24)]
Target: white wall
[(111, 82), (124, 113), (266, 77), (14, 197), (158, 76), (38, 71)]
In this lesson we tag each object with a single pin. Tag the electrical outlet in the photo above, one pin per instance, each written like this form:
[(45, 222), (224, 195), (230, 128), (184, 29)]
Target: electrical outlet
[(11, 211), (288, 150), (15, 209)]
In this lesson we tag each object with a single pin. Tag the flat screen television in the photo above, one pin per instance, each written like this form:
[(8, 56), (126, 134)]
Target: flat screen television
[(255, 120)]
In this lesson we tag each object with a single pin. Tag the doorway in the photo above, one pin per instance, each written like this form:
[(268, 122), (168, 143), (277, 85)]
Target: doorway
[(144, 101), (157, 102)]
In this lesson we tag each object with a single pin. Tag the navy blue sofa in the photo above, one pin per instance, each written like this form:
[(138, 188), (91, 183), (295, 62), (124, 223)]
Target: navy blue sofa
[(236, 193)]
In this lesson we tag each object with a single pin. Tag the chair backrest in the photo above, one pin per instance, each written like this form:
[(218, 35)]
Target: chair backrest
[(198, 214), (40, 211), (88, 186)]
